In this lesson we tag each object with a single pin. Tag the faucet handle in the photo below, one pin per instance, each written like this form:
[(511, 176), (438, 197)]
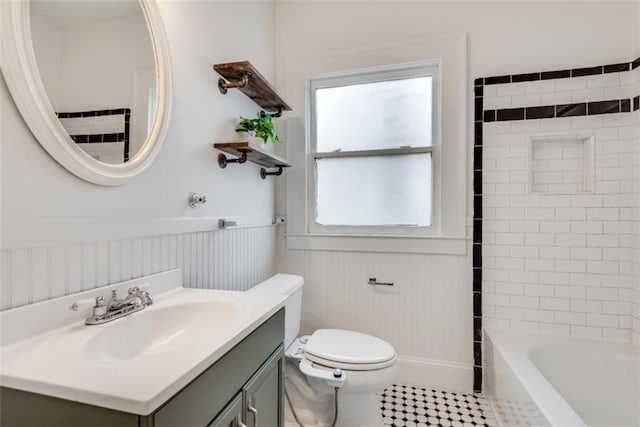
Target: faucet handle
[(81, 304), (100, 309), (97, 303), (140, 288)]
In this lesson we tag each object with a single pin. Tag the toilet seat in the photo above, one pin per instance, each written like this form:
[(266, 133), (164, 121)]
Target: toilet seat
[(337, 348)]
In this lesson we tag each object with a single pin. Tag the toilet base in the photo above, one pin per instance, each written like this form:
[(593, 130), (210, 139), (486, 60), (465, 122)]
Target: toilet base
[(315, 409)]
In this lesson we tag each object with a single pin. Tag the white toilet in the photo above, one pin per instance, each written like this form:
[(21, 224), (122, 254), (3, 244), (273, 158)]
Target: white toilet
[(359, 365)]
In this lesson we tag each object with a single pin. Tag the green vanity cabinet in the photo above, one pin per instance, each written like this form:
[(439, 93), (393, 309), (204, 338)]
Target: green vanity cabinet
[(260, 402), (263, 394), (231, 415), (249, 376)]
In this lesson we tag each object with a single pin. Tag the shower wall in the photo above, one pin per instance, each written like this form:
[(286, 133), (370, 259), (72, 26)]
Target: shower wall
[(559, 189)]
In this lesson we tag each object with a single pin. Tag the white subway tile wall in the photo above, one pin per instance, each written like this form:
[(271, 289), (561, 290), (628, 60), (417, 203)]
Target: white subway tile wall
[(234, 259), (106, 152), (560, 232), (92, 125), (599, 87)]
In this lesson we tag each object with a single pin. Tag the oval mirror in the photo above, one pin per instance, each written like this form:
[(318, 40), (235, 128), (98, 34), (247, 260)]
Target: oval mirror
[(92, 80)]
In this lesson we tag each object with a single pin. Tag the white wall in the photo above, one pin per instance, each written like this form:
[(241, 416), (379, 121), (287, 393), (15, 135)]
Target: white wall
[(92, 66), (99, 61), (35, 189), (504, 38), (46, 46), (198, 34)]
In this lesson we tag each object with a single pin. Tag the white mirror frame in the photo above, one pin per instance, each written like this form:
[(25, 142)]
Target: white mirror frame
[(20, 70)]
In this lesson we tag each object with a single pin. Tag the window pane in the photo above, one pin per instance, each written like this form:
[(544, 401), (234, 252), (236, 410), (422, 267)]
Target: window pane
[(374, 190), (386, 114)]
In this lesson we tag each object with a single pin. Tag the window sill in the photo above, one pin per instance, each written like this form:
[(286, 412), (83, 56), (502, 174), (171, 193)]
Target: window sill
[(378, 243)]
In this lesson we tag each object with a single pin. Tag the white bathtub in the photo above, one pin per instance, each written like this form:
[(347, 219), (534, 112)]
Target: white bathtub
[(561, 381)]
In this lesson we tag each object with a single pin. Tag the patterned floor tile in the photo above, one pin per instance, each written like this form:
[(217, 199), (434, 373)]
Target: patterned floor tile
[(412, 406)]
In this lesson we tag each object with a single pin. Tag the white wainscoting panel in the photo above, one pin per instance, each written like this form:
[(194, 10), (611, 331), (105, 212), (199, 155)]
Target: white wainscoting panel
[(232, 259), (426, 315)]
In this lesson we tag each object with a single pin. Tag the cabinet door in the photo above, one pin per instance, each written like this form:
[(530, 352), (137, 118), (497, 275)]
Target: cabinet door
[(263, 394), (231, 415)]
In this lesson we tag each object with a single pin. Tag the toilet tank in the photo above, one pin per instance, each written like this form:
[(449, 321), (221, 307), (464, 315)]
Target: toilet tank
[(290, 285)]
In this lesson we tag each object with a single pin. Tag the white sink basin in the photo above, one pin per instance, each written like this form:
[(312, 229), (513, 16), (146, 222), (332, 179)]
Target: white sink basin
[(152, 331), (132, 364)]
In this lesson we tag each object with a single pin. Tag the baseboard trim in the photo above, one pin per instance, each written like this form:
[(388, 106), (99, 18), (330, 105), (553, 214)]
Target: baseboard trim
[(436, 374)]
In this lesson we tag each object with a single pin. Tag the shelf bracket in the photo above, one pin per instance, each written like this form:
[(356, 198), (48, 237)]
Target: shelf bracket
[(223, 161), (277, 113), (223, 85), (264, 173)]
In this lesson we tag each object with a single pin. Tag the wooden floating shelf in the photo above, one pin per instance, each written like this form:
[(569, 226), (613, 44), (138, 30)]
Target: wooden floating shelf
[(249, 152), (248, 80)]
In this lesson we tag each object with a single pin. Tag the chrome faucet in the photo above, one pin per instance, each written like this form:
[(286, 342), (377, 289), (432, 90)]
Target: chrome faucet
[(136, 300), (134, 294)]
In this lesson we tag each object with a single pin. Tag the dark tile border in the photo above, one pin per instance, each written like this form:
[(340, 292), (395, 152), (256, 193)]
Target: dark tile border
[(510, 114), (553, 111), (571, 110), (540, 112), (480, 116), (127, 128), (103, 137), (525, 77), (98, 138), (497, 80), (617, 68), (560, 74)]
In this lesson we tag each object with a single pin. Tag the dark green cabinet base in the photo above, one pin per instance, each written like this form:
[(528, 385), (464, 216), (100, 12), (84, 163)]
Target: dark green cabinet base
[(254, 367), (260, 401), (20, 408)]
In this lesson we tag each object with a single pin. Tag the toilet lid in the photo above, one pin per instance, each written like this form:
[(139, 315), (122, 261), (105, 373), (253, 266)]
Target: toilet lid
[(348, 348)]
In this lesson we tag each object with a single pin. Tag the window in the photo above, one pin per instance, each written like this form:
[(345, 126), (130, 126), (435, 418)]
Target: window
[(374, 139)]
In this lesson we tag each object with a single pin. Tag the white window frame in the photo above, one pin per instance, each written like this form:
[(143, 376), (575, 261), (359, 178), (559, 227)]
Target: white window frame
[(371, 75)]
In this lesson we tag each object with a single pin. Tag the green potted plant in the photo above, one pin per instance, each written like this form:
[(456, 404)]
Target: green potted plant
[(261, 127)]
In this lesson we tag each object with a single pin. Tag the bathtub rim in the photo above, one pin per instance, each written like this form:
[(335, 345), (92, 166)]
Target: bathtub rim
[(518, 345)]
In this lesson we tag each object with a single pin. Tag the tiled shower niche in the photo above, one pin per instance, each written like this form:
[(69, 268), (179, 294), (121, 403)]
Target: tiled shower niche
[(561, 165)]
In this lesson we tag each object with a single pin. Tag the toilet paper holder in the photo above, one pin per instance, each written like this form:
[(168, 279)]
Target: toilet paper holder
[(374, 281)]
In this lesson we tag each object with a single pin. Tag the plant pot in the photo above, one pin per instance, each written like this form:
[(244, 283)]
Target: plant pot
[(260, 144), (256, 142)]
